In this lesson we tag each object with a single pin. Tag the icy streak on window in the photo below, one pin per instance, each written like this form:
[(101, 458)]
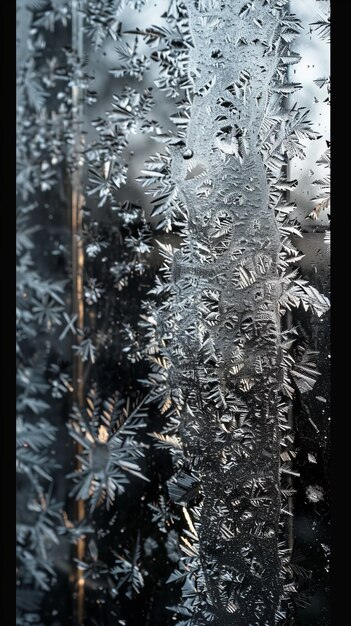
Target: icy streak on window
[(226, 327)]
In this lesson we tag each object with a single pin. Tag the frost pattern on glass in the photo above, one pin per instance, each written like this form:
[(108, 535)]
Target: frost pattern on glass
[(230, 282), (204, 345), (43, 133)]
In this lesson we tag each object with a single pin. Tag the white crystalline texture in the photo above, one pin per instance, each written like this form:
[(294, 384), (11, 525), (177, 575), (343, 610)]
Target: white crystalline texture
[(227, 352)]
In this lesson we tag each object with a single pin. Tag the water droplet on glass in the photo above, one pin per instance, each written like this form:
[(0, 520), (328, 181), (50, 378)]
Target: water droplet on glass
[(187, 154)]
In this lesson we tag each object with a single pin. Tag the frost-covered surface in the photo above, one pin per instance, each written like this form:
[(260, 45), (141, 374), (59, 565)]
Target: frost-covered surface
[(230, 282), (149, 135)]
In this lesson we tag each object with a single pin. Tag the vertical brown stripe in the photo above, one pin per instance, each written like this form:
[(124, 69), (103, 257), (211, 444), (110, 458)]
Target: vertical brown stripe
[(77, 279)]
